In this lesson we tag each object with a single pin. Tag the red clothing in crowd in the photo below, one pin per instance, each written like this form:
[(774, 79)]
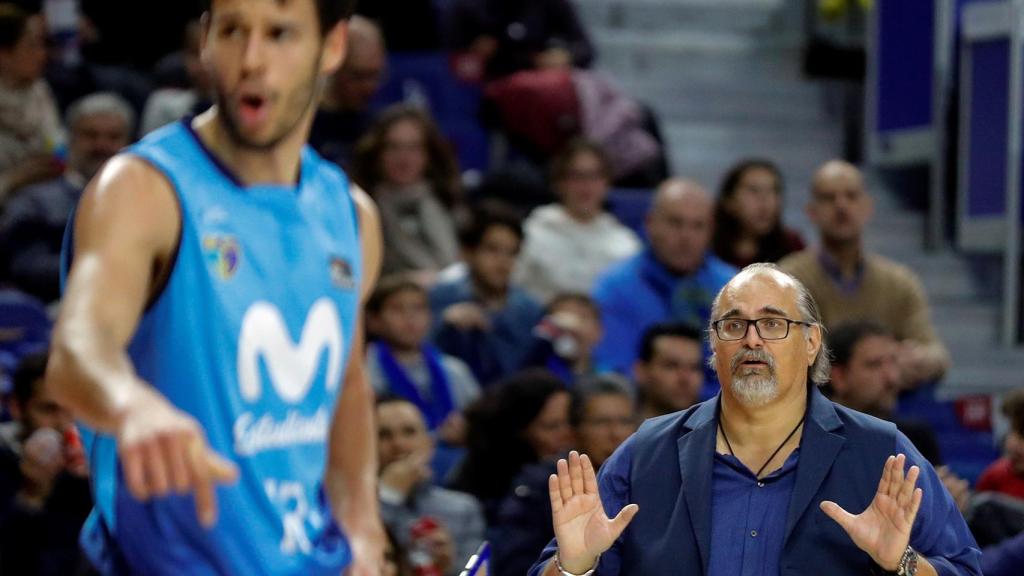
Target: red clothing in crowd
[(1000, 477)]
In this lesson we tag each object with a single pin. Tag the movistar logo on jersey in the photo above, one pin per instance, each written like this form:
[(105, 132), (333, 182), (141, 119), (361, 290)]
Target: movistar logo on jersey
[(292, 367)]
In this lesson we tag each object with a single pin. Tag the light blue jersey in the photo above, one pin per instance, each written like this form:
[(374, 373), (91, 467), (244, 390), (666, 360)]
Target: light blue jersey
[(251, 336)]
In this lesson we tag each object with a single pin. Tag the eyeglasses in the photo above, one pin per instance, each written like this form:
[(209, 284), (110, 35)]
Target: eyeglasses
[(767, 328)]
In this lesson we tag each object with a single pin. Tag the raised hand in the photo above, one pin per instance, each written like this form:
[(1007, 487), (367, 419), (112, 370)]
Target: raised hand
[(883, 529), (582, 529)]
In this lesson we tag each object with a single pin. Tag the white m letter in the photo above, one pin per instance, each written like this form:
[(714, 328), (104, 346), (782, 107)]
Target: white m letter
[(291, 366)]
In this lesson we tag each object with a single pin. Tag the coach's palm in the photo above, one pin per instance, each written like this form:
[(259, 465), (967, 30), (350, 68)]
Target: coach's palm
[(582, 528)]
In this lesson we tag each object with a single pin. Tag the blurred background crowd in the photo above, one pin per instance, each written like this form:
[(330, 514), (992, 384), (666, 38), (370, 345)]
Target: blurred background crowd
[(564, 186)]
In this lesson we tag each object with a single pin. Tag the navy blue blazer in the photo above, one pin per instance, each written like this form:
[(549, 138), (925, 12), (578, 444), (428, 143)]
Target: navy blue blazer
[(666, 469)]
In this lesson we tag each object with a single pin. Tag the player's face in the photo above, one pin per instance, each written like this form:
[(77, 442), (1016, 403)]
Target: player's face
[(265, 58)]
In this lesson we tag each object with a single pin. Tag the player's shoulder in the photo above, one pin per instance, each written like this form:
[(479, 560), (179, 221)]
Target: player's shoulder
[(128, 177)]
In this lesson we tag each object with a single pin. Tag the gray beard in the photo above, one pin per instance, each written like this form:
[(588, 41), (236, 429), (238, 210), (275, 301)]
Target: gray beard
[(754, 390)]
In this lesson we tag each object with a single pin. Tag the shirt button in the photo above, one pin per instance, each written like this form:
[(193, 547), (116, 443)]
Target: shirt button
[(753, 533), (760, 484)]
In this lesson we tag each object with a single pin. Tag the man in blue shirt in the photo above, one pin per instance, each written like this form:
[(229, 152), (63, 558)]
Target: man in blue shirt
[(480, 317), (675, 278), (758, 481)]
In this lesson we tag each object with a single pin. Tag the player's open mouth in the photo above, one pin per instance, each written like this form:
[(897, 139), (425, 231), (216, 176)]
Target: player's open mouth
[(253, 108)]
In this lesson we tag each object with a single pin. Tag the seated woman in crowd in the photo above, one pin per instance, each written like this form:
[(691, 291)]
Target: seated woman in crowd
[(520, 421), (405, 164), (748, 216), (30, 129), (568, 244)]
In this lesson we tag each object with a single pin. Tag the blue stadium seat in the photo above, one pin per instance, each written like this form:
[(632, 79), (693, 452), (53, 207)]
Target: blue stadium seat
[(426, 78), (630, 207), (24, 326)]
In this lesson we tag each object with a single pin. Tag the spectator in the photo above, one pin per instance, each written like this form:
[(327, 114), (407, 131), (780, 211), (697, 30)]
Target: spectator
[(344, 113), (522, 420), (403, 363), (507, 36), (170, 104), (567, 335), (32, 226), (568, 244), (409, 169), (44, 489), (748, 216), (601, 415), (675, 278), (30, 130), (866, 377), (849, 283), (669, 373), (481, 317), (1006, 475), (408, 498)]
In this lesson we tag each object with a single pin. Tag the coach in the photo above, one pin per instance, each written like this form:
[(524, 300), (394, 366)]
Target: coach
[(760, 479)]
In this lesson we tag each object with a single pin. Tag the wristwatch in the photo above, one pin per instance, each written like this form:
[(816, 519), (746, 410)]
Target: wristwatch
[(907, 565), (564, 572)]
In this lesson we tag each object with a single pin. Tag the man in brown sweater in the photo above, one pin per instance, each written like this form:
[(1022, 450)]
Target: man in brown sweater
[(849, 283)]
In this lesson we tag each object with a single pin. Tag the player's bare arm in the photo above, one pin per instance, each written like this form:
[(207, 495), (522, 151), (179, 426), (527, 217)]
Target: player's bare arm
[(126, 233), (352, 464)]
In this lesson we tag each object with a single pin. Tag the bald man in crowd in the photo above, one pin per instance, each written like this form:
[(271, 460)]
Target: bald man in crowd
[(674, 278), (850, 283), (344, 113)]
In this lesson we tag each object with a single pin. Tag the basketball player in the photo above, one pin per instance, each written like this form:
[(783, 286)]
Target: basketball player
[(210, 328)]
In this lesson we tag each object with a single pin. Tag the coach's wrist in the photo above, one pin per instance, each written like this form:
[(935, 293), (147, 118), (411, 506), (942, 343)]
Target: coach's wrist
[(576, 566)]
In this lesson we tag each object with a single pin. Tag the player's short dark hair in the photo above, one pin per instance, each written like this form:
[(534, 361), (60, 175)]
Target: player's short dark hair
[(471, 235), (663, 330), (329, 12), (29, 372), (13, 22), (844, 339), (389, 286)]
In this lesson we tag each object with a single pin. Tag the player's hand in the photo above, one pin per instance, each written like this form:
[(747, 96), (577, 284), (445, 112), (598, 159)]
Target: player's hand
[(582, 529), (466, 316), (406, 473), (883, 529), (163, 449)]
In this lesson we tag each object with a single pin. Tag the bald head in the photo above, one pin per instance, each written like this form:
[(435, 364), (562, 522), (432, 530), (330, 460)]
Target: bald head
[(679, 224), (356, 83), (840, 206), (837, 172)]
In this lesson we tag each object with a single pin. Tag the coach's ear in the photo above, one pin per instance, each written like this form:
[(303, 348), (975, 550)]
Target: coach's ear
[(335, 48)]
